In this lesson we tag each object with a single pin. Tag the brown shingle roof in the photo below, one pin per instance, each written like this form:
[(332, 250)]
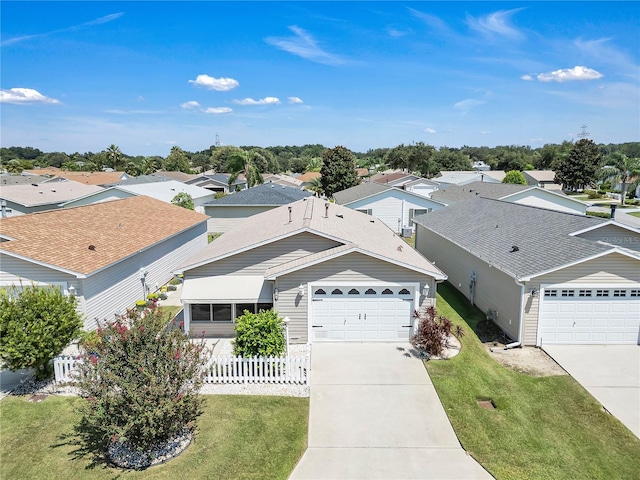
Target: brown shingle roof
[(115, 229), (307, 177)]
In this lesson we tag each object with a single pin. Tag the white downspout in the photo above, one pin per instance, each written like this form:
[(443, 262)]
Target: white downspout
[(518, 342)]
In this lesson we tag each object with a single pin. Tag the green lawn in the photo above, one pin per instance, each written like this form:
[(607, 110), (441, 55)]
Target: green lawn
[(240, 437), (543, 427), (635, 214)]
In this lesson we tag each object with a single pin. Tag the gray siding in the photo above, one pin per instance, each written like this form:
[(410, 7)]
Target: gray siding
[(614, 269), (118, 287), (225, 218), (258, 260), (614, 235), (494, 290), (353, 267)]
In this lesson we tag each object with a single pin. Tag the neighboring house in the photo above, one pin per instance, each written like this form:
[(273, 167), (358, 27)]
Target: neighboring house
[(480, 166), (421, 186), (305, 178), (11, 179), (394, 178), (285, 180), (150, 178), (393, 206), (166, 191), (104, 195), (509, 192), (88, 178), (38, 197), (179, 176), (218, 182), (336, 274), (462, 178), (542, 178), (228, 211), (109, 255), (543, 276)]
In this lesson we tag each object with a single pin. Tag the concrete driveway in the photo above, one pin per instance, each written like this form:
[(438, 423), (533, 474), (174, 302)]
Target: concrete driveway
[(374, 414), (610, 373)]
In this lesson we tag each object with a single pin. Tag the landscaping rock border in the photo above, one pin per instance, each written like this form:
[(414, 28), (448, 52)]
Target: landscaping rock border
[(122, 455)]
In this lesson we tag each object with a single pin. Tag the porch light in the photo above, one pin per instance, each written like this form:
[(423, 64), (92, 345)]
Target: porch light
[(425, 290), (276, 292), (534, 292), (301, 290), (72, 290)]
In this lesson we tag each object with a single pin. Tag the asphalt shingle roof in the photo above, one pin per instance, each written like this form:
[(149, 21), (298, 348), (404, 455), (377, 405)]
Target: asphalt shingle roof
[(116, 230), (265, 194), (490, 228), (457, 193), (359, 191), (46, 193)]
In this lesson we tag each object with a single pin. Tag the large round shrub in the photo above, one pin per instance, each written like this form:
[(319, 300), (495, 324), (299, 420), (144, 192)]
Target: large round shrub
[(259, 334), (141, 380)]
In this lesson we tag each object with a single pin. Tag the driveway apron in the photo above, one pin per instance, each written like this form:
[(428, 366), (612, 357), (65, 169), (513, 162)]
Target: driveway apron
[(374, 414), (610, 373)]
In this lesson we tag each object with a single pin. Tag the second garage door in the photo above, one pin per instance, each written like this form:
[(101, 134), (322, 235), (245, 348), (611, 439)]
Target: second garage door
[(361, 313), (572, 315)]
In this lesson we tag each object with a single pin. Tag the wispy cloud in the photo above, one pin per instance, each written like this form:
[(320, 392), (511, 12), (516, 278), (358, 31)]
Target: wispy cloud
[(497, 23), (569, 74), (294, 100), (116, 111), (397, 33), (468, 104), (222, 84), (91, 23), (429, 130), (217, 110), (434, 22), (190, 105), (304, 45), (23, 96), (262, 101)]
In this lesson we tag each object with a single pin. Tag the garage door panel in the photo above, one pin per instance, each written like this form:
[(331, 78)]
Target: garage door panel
[(595, 320)]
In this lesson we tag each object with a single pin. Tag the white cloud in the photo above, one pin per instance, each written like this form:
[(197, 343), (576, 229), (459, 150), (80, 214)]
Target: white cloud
[(569, 74), (496, 23), (140, 98), (304, 45), (293, 100), (395, 32), (217, 110), (262, 101), (190, 104), (526, 77), (468, 104), (429, 130), (222, 84), (24, 96)]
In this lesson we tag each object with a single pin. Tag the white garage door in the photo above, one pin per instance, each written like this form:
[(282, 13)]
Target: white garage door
[(590, 315), (361, 313)]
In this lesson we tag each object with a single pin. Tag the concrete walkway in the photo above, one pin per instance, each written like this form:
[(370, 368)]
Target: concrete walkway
[(611, 373), (374, 414), (10, 380)]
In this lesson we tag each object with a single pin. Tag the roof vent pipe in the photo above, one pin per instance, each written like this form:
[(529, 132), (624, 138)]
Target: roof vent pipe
[(290, 220), (326, 210)]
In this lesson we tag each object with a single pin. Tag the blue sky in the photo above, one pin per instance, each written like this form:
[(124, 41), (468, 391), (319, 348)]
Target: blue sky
[(145, 76)]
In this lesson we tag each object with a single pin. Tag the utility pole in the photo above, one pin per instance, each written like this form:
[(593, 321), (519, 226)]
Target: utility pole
[(583, 133)]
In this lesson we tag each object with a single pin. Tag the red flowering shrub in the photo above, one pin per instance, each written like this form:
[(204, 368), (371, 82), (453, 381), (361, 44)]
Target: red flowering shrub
[(433, 332), (142, 381)]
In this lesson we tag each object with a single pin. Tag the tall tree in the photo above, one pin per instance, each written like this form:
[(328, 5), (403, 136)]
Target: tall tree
[(623, 170), (177, 161), (416, 156), (338, 170), (579, 168), (246, 162), (514, 176), (114, 154)]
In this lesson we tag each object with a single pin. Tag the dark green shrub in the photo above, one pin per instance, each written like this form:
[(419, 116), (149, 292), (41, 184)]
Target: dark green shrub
[(259, 334), (36, 324), (141, 381), (599, 214)]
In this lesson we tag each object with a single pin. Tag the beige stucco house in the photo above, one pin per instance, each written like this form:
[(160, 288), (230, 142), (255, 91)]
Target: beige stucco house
[(544, 277), (337, 274)]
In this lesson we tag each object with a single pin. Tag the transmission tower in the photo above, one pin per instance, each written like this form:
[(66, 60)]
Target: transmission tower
[(217, 140), (583, 133)]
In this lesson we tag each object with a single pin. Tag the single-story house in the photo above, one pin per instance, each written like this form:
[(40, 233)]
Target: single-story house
[(462, 177), (393, 206), (104, 195), (218, 183), (542, 178), (508, 192), (421, 186), (544, 277), (394, 178), (88, 178), (166, 191), (228, 211), (20, 179), (336, 274), (109, 255), (38, 197), (285, 180)]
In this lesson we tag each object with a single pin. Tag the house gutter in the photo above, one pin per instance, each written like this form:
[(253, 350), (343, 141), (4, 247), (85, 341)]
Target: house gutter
[(518, 342)]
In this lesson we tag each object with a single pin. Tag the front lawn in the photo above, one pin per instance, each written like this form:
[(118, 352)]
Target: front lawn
[(240, 437), (634, 214), (542, 428)]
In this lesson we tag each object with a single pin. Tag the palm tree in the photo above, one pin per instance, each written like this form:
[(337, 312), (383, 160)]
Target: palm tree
[(315, 186), (114, 154), (244, 161), (623, 170), (314, 164)]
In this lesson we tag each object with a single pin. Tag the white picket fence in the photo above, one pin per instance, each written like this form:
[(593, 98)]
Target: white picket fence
[(225, 369)]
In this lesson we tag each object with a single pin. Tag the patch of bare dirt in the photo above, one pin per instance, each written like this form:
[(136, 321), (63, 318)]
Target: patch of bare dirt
[(530, 360)]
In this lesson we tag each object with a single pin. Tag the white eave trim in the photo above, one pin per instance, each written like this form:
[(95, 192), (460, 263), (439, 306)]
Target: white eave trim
[(395, 189), (548, 192), (610, 222), (578, 262), (356, 249)]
